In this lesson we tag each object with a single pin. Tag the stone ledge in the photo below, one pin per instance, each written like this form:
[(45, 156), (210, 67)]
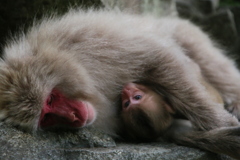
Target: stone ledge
[(89, 144)]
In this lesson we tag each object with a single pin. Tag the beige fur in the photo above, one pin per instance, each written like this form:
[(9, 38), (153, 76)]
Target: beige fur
[(103, 50), (90, 55)]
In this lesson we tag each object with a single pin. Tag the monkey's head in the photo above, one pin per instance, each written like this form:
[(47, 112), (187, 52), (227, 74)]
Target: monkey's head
[(45, 90), (145, 114)]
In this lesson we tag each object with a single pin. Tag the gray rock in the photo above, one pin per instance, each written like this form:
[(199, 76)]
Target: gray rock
[(185, 9), (196, 8), (206, 7), (88, 144), (221, 26), (236, 47), (236, 14)]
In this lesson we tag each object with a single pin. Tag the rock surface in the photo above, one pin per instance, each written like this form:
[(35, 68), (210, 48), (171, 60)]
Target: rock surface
[(88, 144)]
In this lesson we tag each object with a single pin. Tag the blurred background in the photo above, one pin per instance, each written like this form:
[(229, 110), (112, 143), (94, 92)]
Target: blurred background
[(219, 18)]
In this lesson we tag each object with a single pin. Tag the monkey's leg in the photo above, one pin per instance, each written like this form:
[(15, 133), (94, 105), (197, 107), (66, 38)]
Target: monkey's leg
[(225, 140), (219, 70)]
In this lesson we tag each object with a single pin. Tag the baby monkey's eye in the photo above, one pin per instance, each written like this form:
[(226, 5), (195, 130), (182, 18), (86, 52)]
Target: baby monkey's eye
[(126, 104), (137, 97)]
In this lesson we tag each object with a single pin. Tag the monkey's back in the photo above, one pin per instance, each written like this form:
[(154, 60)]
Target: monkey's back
[(93, 53)]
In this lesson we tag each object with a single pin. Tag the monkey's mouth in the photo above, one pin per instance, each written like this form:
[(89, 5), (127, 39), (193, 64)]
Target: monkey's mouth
[(53, 120), (72, 114)]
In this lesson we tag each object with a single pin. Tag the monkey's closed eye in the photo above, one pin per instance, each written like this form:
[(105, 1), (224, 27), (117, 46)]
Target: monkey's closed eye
[(50, 100), (137, 97)]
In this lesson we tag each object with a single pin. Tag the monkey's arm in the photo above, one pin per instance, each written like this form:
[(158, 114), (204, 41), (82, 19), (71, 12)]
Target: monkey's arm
[(219, 70), (179, 82), (225, 140)]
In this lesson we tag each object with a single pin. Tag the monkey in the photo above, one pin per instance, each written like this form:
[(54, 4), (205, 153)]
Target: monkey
[(67, 71), (147, 115)]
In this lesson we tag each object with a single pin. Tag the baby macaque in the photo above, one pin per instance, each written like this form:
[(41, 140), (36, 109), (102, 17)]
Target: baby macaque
[(147, 115)]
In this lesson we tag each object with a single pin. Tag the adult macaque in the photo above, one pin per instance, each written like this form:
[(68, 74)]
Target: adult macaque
[(69, 70)]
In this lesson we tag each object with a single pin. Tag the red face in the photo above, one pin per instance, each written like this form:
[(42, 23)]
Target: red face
[(59, 110)]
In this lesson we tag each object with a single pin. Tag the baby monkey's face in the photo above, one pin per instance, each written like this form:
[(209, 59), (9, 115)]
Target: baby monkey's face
[(144, 113)]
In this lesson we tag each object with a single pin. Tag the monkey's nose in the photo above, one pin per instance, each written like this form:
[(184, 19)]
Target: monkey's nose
[(126, 104)]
